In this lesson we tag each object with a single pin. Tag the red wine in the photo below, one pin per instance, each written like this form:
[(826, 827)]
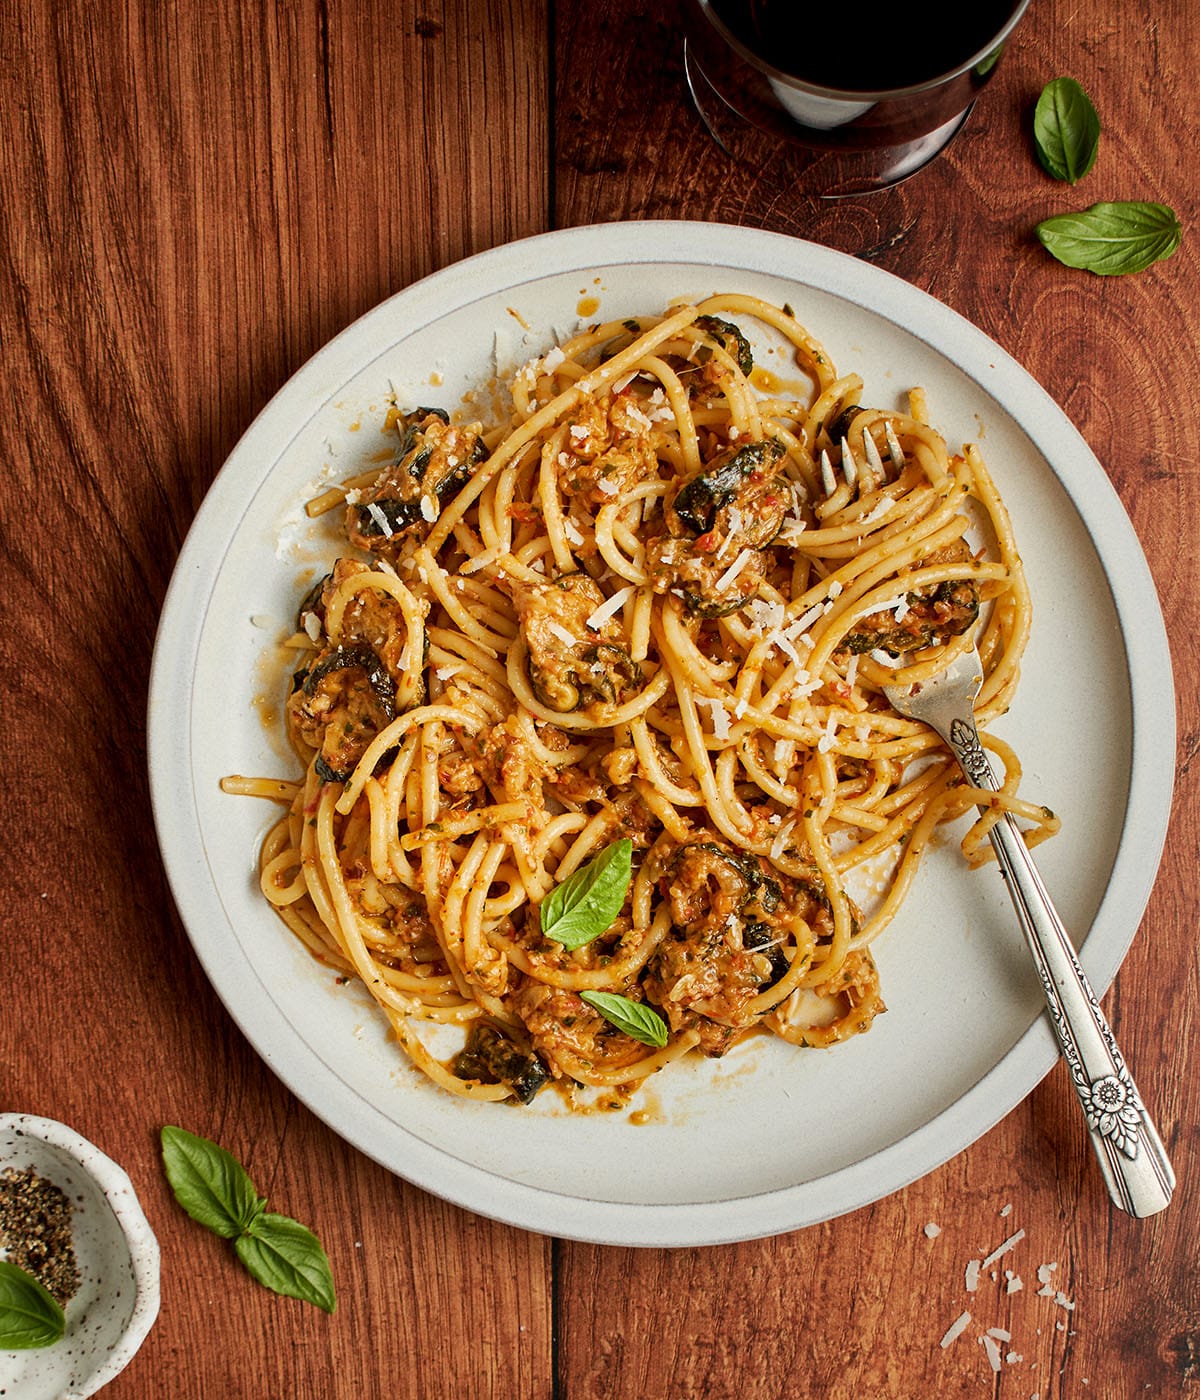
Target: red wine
[(873, 46)]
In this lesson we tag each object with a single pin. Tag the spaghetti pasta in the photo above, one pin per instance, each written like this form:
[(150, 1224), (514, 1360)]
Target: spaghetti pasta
[(622, 656)]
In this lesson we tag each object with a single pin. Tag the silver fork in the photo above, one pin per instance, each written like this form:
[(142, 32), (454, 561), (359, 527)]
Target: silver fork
[(1131, 1155)]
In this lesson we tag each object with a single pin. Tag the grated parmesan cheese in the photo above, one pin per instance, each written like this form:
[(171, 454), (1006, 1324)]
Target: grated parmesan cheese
[(993, 1351), (553, 359), (558, 631), (735, 525), (1002, 1250), (956, 1329), (312, 625), (779, 845), (805, 621), (765, 617), (785, 645), (608, 608), (932, 1231), (572, 533), (734, 569), (972, 1275), (608, 488), (720, 715), (877, 512), (380, 519), (429, 507)]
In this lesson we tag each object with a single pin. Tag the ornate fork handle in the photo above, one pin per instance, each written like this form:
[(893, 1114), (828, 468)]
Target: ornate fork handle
[(1130, 1152)]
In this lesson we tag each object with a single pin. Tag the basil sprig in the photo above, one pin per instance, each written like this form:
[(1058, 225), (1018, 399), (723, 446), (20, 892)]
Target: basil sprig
[(1066, 130), (216, 1191), (635, 1018), (1109, 239), (586, 903), (287, 1257), (30, 1316)]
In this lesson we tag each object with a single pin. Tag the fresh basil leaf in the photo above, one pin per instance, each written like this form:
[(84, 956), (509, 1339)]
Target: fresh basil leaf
[(215, 1189), (286, 1257), (1109, 239), (210, 1184), (635, 1018), (988, 62), (1066, 130), (29, 1315), (586, 903)]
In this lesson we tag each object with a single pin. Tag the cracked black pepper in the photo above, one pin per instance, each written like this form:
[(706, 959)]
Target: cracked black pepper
[(35, 1231)]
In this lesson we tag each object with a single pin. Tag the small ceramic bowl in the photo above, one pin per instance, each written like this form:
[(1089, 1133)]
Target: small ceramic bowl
[(117, 1299)]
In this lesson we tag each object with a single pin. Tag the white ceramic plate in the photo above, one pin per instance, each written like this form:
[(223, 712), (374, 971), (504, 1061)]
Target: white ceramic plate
[(772, 1137)]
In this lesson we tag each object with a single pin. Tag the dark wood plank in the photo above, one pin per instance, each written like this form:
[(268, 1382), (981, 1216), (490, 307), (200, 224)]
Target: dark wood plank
[(857, 1307), (196, 198)]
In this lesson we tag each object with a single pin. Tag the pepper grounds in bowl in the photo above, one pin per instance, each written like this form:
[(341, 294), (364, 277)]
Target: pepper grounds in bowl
[(35, 1231)]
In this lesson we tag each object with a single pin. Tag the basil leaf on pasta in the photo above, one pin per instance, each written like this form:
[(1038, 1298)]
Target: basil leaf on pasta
[(586, 903), (635, 1018), (1110, 239), (29, 1315), (1066, 130), (210, 1184), (287, 1258)]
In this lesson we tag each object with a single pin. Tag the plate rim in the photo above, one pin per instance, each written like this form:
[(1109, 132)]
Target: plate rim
[(733, 248)]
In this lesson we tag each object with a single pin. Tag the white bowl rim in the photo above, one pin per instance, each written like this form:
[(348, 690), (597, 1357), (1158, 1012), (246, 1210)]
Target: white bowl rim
[(118, 1192)]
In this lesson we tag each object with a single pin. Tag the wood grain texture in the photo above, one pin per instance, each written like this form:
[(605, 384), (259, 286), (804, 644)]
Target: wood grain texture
[(858, 1307), (197, 198)]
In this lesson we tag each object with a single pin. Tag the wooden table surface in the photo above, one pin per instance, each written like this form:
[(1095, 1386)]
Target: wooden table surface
[(195, 198)]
